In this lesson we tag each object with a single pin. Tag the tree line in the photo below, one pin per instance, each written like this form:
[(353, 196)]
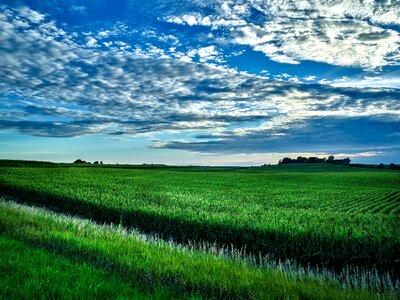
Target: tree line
[(315, 160), (81, 161)]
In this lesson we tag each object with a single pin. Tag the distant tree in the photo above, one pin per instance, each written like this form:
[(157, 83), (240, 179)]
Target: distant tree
[(79, 161), (96, 162), (345, 161), (381, 166), (301, 159), (313, 160), (287, 160), (101, 162), (394, 167)]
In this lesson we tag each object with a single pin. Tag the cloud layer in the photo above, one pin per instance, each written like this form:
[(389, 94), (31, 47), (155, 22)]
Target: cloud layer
[(55, 84), (353, 33)]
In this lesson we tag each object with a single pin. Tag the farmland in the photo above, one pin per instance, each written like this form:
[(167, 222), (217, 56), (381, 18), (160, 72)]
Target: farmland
[(339, 219)]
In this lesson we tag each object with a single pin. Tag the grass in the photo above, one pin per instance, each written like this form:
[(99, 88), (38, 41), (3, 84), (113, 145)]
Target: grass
[(318, 215), (29, 272), (49, 255)]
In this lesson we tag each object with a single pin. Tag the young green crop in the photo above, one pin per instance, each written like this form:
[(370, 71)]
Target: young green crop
[(319, 217), (57, 255)]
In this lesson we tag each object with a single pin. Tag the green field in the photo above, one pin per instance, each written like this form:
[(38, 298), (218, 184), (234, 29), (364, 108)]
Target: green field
[(342, 220)]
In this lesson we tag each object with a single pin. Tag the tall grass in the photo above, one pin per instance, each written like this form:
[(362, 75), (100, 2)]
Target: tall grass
[(29, 272), (51, 244)]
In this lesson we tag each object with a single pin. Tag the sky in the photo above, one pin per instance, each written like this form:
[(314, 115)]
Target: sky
[(190, 82)]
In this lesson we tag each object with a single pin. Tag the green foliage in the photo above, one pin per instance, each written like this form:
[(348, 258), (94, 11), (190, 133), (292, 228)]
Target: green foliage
[(29, 272), (318, 217), (47, 255), (25, 163)]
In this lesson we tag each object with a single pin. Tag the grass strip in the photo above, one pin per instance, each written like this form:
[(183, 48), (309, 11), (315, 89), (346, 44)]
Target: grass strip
[(159, 266)]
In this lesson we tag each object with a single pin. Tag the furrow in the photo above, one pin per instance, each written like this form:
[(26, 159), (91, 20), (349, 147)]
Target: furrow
[(363, 202), (355, 202), (372, 203), (393, 201)]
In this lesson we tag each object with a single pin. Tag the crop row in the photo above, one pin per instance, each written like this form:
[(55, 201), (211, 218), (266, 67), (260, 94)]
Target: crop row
[(286, 215)]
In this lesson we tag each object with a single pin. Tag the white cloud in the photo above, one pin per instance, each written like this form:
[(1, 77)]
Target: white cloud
[(74, 90), (103, 34), (310, 78), (31, 15), (329, 41), (204, 53), (170, 39), (198, 19), (190, 20), (185, 59), (20, 24), (340, 32), (386, 81), (91, 42)]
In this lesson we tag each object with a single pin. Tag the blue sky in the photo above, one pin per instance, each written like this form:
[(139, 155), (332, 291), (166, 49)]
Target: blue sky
[(209, 82)]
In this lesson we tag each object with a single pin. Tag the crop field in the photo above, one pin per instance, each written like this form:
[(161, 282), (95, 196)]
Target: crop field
[(268, 232)]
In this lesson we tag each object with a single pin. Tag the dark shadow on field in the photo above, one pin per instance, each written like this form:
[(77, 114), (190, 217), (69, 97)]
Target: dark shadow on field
[(307, 249)]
